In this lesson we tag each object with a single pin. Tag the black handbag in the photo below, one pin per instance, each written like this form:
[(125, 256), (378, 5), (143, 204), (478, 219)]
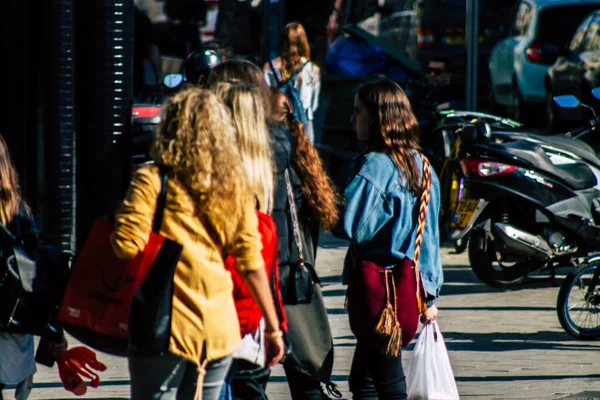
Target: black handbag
[(310, 344), (32, 280), (150, 314), (302, 275)]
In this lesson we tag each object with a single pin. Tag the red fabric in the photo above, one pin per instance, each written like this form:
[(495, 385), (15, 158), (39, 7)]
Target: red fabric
[(367, 297), (101, 287), (249, 314), (76, 363)]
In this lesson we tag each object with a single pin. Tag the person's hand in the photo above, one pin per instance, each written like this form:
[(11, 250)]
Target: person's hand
[(274, 351), (430, 315)]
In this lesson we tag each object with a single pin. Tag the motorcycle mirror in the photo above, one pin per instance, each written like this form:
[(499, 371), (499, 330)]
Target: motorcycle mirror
[(173, 81), (567, 101), (596, 93)]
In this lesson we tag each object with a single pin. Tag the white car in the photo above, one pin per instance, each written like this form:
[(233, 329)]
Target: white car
[(519, 62)]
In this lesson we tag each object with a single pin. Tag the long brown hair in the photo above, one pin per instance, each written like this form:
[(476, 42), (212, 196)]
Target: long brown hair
[(316, 185), (294, 46), (10, 193), (394, 129), (196, 138)]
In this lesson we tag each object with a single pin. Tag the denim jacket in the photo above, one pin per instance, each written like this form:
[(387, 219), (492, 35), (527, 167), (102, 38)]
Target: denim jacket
[(381, 217)]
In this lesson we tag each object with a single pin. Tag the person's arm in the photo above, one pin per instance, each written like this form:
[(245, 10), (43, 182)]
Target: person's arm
[(314, 104), (366, 210), (258, 284), (246, 250), (133, 222)]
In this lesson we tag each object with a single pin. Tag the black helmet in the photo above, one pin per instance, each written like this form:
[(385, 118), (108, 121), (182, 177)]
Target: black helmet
[(199, 63)]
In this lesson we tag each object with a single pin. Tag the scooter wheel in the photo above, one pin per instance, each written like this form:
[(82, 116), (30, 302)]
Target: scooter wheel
[(579, 311), (487, 269)]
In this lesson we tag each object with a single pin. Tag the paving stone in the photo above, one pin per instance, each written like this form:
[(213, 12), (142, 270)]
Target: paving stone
[(501, 344)]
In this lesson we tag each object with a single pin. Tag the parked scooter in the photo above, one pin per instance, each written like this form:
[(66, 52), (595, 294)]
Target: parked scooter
[(522, 210)]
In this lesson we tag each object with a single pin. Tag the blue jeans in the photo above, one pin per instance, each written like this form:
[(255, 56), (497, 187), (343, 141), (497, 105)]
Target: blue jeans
[(375, 376), (168, 377)]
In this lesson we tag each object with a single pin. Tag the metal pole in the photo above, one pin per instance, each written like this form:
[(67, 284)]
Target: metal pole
[(472, 36)]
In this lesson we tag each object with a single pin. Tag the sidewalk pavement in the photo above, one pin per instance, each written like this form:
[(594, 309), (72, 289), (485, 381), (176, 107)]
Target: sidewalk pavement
[(502, 344)]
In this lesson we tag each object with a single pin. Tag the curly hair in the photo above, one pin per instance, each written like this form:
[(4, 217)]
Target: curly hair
[(395, 129), (316, 186), (196, 139), (294, 46)]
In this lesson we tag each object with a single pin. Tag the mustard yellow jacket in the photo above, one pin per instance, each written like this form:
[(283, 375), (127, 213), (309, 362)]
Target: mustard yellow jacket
[(203, 311)]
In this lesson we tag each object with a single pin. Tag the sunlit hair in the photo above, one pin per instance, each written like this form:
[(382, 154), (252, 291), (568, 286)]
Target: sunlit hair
[(196, 138), (10, 194), (316, 185), (242, 71), (294, 46), (248, 114), (394, 127)]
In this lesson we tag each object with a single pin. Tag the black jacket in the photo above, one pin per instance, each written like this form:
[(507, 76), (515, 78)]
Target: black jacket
[(281, 146)]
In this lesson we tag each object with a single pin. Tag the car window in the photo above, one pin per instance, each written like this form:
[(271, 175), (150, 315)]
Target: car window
[(522, 19), (592, 36), (557, 24), (579, 35)]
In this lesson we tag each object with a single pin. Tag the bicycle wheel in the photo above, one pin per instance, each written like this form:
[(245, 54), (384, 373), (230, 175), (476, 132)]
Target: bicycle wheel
[(578, 305)]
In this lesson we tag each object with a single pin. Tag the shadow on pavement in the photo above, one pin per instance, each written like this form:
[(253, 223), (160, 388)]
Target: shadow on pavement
[(513, 341), (510, 378)]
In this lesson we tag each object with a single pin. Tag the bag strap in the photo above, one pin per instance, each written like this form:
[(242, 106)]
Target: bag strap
[(161, 201), (424, 201), (294, 75), (294, 214)]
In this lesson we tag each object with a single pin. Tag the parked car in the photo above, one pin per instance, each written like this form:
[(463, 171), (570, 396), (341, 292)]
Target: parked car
[(434, 29), (518, 64), (576, 71)]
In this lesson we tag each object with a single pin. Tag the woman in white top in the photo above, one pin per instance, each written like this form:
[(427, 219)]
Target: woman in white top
[(294, 57)]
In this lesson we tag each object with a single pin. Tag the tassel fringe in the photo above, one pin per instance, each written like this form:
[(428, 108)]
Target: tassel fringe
[(395, 342), (387, 321)]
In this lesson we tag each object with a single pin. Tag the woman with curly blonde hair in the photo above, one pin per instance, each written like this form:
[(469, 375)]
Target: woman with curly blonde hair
[(210, 212)]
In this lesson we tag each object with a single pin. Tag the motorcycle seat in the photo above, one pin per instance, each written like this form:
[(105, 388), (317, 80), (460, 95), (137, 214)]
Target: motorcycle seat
[(576, 175)]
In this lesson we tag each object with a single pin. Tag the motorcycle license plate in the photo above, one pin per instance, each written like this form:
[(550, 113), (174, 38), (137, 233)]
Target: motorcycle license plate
[(464, 213)]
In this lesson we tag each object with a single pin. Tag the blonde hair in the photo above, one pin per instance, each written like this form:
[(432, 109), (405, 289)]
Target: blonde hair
[(294, 46), (246, 106), (196, 138), (10, 194)]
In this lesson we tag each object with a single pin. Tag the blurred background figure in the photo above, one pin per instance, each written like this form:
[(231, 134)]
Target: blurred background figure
[(147, 71), (294, 63), (198, 65)]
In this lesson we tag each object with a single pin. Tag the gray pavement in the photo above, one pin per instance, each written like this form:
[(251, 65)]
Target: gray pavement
[(502, 345)]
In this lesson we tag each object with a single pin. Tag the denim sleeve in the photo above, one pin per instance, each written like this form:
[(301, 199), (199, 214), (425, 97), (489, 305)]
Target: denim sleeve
[(430, 263), (366, 210)]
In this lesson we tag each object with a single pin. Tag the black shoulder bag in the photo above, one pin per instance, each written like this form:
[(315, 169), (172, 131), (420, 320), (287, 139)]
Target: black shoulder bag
[(32, 280)]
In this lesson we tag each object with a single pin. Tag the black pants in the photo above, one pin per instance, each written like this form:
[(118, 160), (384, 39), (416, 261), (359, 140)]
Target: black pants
[(374, 376), (250, 383)]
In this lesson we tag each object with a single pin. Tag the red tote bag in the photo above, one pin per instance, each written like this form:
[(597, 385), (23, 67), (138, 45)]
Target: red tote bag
[(96, 308)]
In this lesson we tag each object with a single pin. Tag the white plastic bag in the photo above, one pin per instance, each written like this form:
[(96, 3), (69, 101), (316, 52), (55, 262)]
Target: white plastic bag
[(429, 374)]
